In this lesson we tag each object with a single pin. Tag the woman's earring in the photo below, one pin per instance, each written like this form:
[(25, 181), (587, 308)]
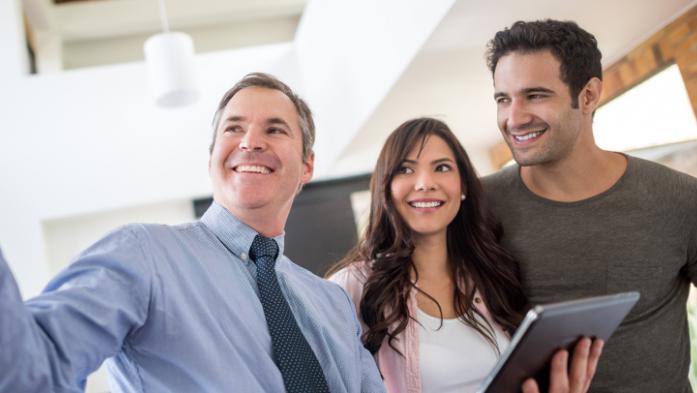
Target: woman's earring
[(463, 197)]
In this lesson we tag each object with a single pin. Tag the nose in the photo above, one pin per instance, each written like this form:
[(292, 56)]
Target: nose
[(253, 140), (425, 182), (518, 116)]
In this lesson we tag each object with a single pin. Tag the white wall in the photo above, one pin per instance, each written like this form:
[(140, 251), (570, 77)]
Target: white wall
[(66, 237), (364, 52), (436, 84)]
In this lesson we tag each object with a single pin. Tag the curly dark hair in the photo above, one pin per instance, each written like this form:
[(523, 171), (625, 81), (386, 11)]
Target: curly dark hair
[(576, 49), (476, 258)]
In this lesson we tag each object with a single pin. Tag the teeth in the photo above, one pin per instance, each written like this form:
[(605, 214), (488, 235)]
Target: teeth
[(426, 204), (253, 169), (526, 137)]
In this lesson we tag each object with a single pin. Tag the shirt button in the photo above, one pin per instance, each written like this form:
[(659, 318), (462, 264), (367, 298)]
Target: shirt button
[(243, 257)]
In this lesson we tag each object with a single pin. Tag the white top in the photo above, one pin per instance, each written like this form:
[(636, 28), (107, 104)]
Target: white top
[(454, 358)]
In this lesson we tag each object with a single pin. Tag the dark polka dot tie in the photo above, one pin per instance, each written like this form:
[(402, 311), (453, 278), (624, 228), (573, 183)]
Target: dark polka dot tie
[(292, 354)]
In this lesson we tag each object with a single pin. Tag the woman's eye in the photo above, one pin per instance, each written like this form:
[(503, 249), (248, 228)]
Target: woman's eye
[(234, 128), (405, 170), (276, 130), (443, 168)]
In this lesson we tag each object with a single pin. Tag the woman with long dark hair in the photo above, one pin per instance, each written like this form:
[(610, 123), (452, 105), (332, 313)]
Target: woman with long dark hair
[(436, 293)]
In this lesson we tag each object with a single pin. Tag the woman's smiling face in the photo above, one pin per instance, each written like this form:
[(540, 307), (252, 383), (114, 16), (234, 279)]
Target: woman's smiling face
[(427, 189)]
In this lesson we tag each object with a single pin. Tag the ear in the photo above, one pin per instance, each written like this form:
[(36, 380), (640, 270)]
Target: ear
[(589, 97), (308, 168)]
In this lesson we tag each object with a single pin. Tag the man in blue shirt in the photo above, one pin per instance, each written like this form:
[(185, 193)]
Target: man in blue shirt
[(179, 308), (201, 307)]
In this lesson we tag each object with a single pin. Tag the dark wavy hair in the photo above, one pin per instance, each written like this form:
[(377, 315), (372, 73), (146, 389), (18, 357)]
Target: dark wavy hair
[(477, 260), (576, 49)]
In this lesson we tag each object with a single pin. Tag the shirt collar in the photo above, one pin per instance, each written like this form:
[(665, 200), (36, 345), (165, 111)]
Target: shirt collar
[(233, 233)]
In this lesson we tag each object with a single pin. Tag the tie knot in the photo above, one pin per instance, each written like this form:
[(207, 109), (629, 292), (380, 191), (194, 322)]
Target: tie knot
[(263, 247)]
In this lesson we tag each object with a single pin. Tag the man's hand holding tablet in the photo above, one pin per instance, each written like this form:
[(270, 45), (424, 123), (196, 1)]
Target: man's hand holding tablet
[(545, 337), (579, 377)]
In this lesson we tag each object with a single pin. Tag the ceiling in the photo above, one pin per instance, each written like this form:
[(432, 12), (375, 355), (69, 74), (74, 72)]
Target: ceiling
[(87, 33), (83, 33), (72, 34)]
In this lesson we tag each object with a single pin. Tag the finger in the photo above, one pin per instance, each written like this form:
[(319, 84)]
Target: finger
[(579, 366), (530, 386), (595, 352), (558, 377)]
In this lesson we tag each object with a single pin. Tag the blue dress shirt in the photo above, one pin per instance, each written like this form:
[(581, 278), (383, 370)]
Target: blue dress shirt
[(173, 309)]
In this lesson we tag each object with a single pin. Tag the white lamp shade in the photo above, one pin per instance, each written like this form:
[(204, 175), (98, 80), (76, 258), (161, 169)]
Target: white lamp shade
[(171, 69)]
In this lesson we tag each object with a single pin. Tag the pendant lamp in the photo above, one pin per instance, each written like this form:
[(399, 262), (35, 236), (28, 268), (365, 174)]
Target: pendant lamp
[(169, 57)]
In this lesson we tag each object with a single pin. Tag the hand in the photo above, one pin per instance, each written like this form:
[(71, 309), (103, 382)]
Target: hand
[(583, 365)]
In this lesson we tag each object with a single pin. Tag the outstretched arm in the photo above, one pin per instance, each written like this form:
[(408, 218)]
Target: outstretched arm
[(53, 342), (22, 371)]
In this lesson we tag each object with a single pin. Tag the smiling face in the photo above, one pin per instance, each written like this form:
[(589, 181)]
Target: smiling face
[(534, 108), (256, 164), (427, 188)]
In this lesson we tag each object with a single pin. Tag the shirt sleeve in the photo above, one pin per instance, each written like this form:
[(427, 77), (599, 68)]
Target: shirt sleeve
[(371, 380), (348, 279), (54, 341)]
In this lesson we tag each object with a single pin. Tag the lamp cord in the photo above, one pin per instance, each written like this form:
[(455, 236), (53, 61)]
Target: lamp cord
[(163, 16)]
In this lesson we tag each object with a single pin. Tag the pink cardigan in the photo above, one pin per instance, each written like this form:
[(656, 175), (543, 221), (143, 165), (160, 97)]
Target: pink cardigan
[(401, 373)]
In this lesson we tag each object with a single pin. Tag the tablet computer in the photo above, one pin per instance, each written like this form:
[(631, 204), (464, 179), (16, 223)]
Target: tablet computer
[(549, 328)]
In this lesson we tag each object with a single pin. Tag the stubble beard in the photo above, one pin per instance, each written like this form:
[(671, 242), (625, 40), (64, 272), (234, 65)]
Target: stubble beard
[(559, 144)]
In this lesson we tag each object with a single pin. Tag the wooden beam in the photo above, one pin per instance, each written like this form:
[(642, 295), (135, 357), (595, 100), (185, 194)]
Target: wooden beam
[(674, 44)]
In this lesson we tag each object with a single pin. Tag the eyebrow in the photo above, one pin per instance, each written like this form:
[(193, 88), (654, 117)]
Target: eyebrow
[(233, 119), (273, 120), (538, 89), (499, 94), (528, 90), (277, 120), (438, 161)]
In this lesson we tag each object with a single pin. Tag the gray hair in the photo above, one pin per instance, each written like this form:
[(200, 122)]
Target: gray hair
[(259, 79)]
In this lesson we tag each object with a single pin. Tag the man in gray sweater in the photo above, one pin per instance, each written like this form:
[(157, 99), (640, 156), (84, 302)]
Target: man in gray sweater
[(584, 221)]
